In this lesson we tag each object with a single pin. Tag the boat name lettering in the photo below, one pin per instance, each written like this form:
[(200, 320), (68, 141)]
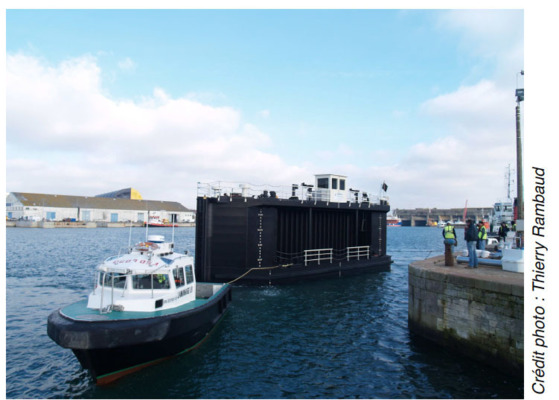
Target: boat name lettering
[(182, 293), (135, 260)]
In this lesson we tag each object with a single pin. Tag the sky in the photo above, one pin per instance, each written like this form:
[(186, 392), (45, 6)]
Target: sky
[(159, 100)]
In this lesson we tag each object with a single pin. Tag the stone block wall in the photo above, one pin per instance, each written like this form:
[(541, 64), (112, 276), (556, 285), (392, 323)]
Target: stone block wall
[(482, 318)]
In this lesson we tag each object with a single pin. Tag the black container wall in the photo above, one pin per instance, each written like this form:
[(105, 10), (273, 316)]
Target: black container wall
[(235, 234)]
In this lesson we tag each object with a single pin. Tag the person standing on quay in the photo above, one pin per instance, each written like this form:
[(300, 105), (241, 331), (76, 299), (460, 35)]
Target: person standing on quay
[(449, 234), (470, 235), (503, 229), (482, 236)]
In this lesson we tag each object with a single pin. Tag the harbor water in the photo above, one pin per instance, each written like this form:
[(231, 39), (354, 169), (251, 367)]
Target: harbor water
[(335, 338)]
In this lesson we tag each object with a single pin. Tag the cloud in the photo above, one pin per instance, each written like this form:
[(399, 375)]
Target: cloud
[(66, 133), (160, 145), (487, 33), (479, 106), (495, 38), (127, 64), (469, 161)]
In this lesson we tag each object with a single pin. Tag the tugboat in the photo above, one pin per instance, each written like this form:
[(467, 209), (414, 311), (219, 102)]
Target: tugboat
[(146, 306), (268, 235)]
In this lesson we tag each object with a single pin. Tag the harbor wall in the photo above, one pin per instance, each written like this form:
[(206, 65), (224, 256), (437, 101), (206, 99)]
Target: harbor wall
[(80, 224), (479, 314)]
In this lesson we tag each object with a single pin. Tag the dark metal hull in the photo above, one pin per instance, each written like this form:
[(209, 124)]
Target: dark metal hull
[(238, 234), (298, 273), (110, 349)]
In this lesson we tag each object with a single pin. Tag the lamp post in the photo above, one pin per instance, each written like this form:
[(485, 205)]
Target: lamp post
[(519, 183)]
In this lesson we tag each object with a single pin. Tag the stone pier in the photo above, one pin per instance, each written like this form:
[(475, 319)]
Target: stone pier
[(477, 312)]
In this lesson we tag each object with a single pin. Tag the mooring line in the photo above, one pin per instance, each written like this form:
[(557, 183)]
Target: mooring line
[(259, 268)]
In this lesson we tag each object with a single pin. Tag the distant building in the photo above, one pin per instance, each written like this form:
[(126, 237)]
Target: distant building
[(128, 193), (120, 208)]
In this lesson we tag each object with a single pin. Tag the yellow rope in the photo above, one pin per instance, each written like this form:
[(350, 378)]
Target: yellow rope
[(259, 268)]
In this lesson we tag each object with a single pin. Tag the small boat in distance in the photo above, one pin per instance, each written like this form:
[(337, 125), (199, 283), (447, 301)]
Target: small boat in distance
[(393, 221), (146, 306), (155, 222)]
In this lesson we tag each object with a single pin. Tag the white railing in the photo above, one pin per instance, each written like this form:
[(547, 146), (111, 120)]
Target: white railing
[(318, 255), (303, 193), (232, 189), (358, 252)]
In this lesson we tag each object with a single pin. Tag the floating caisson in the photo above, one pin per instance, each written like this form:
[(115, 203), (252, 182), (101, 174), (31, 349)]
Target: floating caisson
[(285, 235)]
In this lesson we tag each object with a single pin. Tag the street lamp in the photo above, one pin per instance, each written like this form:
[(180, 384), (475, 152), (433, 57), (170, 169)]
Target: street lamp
[(519, 187)]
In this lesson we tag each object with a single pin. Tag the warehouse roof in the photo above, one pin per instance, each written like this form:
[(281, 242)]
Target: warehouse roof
[(63, 201), (128, 193)]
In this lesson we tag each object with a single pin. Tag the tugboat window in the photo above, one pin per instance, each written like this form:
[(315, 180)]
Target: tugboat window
[(342, 184), (334, 183), (189, 274), (160, 281), (178, 275), (119, 280)]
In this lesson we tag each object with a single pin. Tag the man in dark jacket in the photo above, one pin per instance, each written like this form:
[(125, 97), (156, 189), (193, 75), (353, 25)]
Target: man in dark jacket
[(471, 236), (503, 229)]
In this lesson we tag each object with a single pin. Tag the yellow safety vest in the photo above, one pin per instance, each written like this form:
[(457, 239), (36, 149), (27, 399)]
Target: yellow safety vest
[(482, 234), (449, 232)]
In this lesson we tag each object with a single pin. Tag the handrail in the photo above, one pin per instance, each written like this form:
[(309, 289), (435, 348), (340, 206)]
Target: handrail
[(358, 251), (231, 190), (318, 255), (329, 255)]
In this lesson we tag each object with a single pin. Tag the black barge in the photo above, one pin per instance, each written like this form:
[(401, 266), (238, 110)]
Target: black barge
[(312, 231)]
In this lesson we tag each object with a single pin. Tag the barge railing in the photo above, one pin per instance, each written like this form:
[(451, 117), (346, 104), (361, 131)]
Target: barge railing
[(302, 192), (309, 256), (318, 255), (358, 252)]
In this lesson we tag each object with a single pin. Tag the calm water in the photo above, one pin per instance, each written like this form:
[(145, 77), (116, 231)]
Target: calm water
[(338, 338)]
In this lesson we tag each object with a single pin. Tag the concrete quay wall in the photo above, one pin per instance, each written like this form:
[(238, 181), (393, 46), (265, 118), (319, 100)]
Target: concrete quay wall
[(477, 312)]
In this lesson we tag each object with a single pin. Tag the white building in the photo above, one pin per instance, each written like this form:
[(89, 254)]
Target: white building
[(52, 207)]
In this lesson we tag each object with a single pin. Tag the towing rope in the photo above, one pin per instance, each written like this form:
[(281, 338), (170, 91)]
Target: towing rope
[(259, 268)]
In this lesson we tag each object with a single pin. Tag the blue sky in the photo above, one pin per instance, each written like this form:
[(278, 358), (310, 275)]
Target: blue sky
[(99, 100)]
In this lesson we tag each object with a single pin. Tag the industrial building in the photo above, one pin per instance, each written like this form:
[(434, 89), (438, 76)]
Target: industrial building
[(124, 205)]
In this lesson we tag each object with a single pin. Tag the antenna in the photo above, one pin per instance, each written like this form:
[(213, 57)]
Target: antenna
[(130, 236), (173, 223), (508, 177), (147, 225), (508, 182)]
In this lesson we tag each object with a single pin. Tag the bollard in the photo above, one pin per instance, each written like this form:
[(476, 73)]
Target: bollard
[(448, 257)]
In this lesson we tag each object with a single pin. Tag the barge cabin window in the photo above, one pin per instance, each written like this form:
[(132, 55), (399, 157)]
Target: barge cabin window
[(322, 183)]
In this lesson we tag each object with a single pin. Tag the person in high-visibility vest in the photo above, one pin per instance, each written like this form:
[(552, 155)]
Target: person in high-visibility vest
[(449, 234), (481, 236)]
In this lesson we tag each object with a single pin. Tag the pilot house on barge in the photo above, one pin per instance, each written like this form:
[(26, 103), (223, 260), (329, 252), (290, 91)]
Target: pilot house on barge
[(289, 234)]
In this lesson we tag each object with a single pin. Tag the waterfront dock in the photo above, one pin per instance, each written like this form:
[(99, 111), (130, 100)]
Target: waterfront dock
[(83, 224), (477, 312)]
